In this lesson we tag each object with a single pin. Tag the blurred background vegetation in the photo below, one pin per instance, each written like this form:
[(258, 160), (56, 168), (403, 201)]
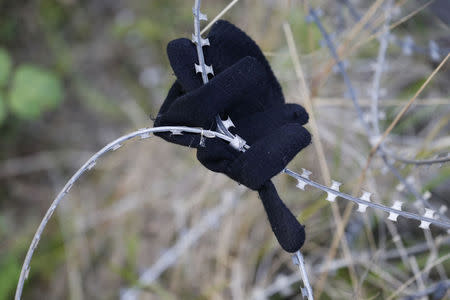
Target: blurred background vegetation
[(75, 74)]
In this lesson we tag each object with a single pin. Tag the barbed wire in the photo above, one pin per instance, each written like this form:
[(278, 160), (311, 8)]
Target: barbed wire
[(238, 143), (429, 216), (406, 44), (373, 139), (303, 180), (283, 282), (88, 165)]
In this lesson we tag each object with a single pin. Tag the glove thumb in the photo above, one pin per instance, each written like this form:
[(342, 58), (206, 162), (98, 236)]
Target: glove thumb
[(288, 231)]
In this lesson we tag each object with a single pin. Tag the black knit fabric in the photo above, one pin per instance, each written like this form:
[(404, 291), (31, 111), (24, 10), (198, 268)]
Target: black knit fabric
[(245, 89)]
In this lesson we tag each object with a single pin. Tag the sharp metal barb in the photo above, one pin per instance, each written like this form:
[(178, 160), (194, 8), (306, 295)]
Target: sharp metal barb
[(203, 42), (176, 132), (89, 164), (351, 92), (201, 67), (315, 17), (306, 173), (205, 68), (197, 13), (352, 95), (334, 186), (298, 260), (69, 186), (197, 38), (115, 147), (302, 184), (405, 214), (228, 123), (429, 213), (427, 218), (365, 197), (397, 206), (145, 135)]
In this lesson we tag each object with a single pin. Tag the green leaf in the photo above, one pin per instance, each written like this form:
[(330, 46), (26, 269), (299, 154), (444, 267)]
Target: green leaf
[(2, 109), (9, 271), (34, 91), (5, 66)]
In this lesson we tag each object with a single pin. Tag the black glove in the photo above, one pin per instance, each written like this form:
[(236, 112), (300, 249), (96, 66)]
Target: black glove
[(245, 89)]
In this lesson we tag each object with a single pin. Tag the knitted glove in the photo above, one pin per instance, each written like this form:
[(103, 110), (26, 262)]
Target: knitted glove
[(245, 89)]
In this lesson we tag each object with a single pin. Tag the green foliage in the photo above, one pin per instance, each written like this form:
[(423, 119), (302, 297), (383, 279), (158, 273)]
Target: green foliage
[(144, 28), (34, 91), (440, 179), (2, 109), (306, 36), (52, 12), (9, 270), (94, 100), (5, 67), (409, 91), (8, 28), (49, 257)]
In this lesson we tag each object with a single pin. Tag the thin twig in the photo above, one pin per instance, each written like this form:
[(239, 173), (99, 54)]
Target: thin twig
[(145, 133), (384, 40), (368, 132), (341, 102), (219, 15), (350, 89), (411, 280), (360, 258), (171, 255), (303, 89), (406, 107), (90, 163)]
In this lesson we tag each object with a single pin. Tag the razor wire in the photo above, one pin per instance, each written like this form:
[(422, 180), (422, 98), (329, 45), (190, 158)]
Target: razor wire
[(333, 192)]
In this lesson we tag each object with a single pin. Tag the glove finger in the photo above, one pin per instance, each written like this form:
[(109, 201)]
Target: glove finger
[(183, 57), (269, 155), (261, 124), (229, 44), (241, 82), (217, 155), (175, 91), (190, 140), (288, 231)]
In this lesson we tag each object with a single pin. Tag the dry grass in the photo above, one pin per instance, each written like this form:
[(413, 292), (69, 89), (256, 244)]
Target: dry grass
[(141, 199)]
